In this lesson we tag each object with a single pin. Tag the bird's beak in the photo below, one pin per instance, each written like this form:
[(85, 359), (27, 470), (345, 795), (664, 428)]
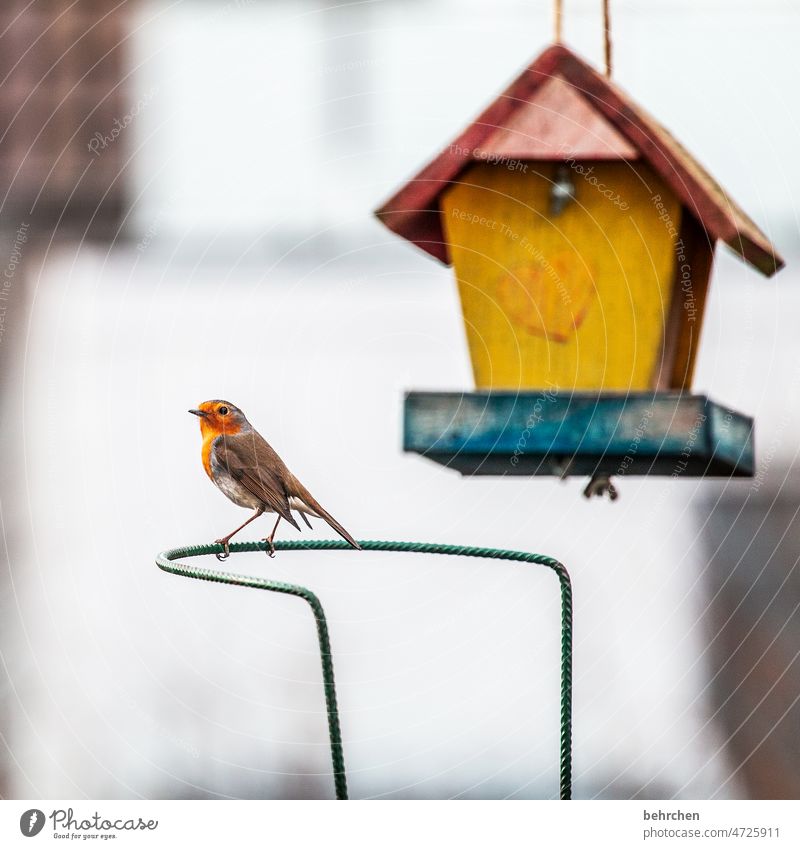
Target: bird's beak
[(200, 413)]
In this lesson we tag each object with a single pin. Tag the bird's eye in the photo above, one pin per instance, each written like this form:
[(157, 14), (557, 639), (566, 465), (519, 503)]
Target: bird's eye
[(223, 411)]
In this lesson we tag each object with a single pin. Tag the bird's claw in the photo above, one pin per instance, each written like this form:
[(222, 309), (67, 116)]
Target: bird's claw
[(270, 547), (226, 551), (601, 485)]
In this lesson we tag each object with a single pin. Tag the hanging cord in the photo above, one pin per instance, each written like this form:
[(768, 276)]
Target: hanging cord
[(607, 35), (557, 4), (169, 562), (558, 18)]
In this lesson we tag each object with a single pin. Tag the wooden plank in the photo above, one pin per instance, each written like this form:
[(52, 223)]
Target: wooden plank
[(578, 300), (547, 433), (694, 261)]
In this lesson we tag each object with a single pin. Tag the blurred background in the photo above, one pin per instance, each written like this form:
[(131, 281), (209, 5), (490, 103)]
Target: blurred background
[(186, 197)]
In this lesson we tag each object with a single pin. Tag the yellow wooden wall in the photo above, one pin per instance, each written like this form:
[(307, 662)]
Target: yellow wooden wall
[(579, 301)]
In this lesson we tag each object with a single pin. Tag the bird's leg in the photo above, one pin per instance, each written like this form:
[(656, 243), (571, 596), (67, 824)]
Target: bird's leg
[(225, 540), (270, 539)]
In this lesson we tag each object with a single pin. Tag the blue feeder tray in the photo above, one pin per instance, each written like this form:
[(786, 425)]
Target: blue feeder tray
[(551, 433)]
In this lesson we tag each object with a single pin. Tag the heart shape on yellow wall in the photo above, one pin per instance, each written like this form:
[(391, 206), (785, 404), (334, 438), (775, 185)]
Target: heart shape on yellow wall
[(547, 296)]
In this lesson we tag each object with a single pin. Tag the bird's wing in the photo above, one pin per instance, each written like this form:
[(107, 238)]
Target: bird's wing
[(297, 490), (252, 462)]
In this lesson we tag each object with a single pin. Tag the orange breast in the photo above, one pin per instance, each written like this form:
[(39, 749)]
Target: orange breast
[(206, 453)]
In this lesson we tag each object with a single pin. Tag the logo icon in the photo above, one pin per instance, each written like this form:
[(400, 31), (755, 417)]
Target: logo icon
[(31, 822)]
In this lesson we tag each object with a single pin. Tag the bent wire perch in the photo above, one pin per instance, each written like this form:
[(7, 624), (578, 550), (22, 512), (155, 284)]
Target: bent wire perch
[(168, 561)]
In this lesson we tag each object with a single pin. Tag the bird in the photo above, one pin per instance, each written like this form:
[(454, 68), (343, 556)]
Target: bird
[(245, 467)]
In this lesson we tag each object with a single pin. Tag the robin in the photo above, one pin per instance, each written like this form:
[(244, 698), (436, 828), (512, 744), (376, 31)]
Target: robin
[(246, 468)]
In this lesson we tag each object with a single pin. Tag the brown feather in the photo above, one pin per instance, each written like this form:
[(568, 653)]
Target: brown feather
[(297, 489), (252, 462), (257, 466)]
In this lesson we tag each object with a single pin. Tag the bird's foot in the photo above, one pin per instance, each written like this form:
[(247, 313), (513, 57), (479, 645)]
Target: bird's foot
[(226, 551), (270, 546), (599, 485)]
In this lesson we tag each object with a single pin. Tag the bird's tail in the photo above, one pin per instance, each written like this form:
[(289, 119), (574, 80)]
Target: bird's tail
[(307, 498)]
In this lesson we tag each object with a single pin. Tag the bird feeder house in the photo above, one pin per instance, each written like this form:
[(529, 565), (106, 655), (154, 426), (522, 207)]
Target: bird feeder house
[(582, 235)]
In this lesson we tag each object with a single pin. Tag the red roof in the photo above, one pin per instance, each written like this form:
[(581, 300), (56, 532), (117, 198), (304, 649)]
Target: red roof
[(561, 108)]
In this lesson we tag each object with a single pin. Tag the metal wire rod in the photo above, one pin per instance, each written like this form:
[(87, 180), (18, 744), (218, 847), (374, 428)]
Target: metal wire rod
[(167, 561)]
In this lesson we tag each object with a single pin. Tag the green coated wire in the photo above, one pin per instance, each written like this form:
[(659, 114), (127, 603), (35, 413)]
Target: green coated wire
[(167, 561)]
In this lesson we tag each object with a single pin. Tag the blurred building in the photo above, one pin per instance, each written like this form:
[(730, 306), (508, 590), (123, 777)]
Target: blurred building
[(65, 103), (752, 536), (195, 182)]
